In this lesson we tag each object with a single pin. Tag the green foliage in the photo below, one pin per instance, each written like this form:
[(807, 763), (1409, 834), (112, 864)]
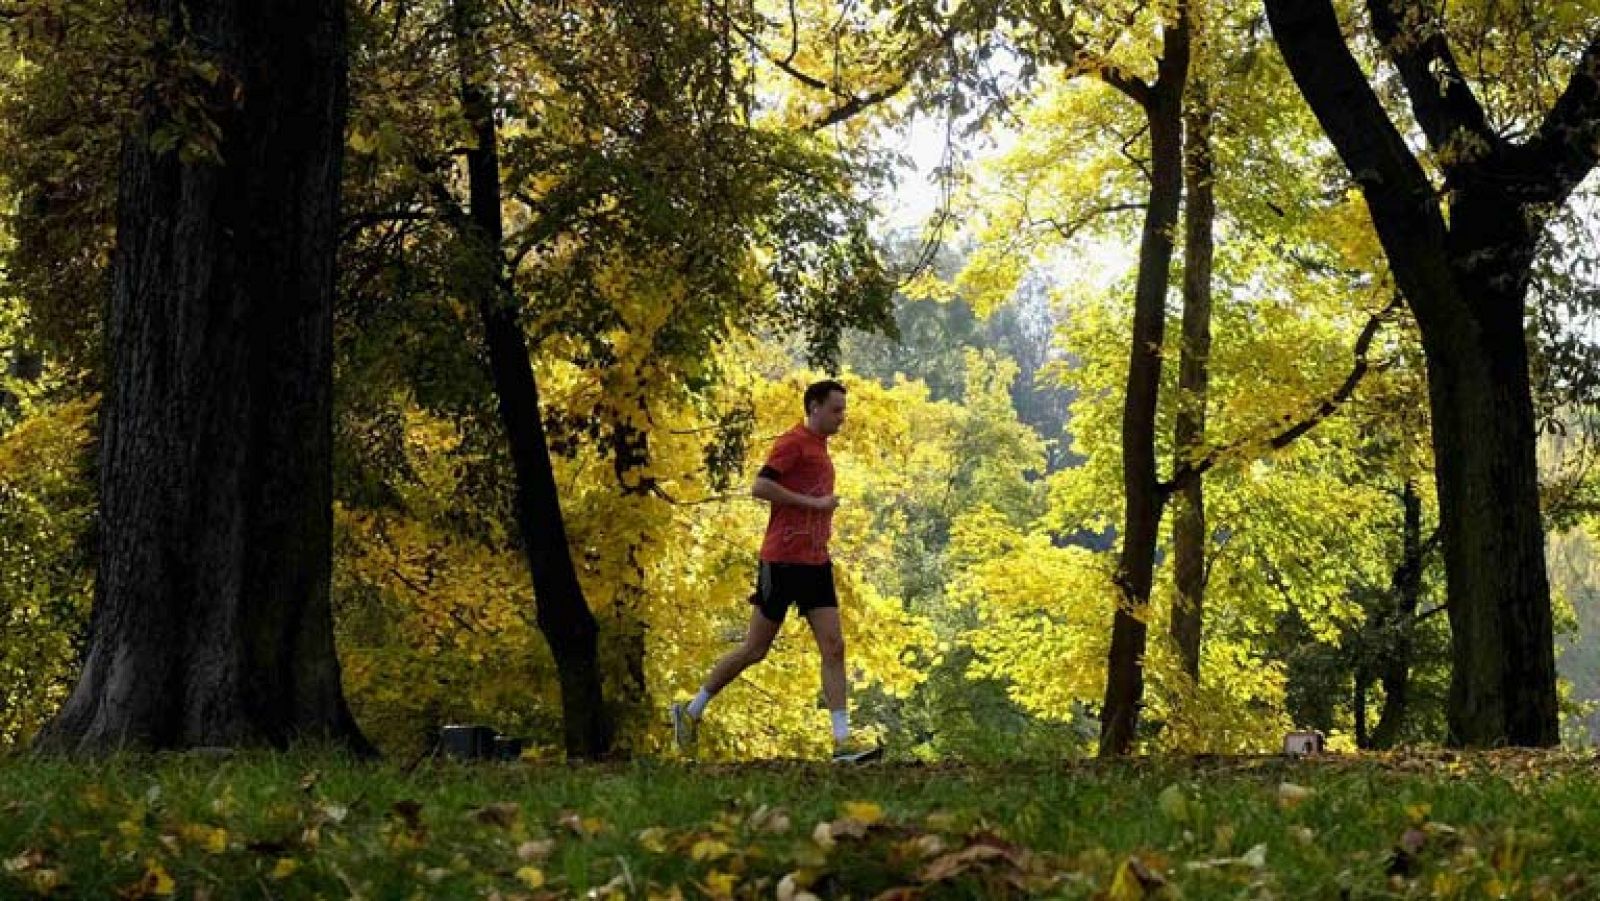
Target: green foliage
[(304, 824), (46, 580)]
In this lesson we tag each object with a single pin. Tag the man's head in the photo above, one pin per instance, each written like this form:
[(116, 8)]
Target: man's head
[(825, 407)]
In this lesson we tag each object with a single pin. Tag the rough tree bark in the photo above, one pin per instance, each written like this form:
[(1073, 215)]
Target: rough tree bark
[(211, 623), (562, 614), (1465, 278)]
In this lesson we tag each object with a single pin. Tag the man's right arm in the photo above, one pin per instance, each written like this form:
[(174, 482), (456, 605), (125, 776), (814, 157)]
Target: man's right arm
[(770, 491)]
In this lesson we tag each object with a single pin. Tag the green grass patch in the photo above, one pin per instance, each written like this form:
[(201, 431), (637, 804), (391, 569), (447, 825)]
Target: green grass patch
[(303, 825)]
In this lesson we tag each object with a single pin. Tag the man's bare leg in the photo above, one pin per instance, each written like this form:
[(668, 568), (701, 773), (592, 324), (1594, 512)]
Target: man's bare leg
[(830, 644), (757, 641)]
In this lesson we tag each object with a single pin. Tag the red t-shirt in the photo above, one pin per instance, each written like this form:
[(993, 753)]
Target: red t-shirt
[(799, 462)]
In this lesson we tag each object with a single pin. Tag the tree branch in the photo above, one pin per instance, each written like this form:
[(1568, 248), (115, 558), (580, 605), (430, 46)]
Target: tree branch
[(1398, 191), (1440, 96), (1186, 474), (1550, 165), (1080, 60)]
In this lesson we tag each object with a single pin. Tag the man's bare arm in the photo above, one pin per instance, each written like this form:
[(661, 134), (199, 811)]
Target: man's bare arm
[(773, 493)]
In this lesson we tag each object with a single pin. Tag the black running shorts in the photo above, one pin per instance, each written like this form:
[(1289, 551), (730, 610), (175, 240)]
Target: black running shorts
[(807, 586)]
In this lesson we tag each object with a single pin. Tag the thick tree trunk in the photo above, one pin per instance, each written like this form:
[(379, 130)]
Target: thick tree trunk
[(563, 616), (1395, 667), (211, 623), (1503, 683), (1194, 378), (1144, 499), (1466, 281)]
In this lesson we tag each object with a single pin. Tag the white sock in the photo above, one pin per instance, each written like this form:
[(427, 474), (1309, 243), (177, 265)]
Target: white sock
[(841, 725), (698, 705)]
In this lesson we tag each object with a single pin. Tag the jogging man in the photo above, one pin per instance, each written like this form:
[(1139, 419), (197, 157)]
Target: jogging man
[(797, 481)]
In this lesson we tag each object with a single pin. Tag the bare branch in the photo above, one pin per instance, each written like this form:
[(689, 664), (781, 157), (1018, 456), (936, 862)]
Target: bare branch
[(1186, 474)]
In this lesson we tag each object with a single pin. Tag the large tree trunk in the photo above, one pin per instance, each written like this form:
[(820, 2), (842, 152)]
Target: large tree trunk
[(211, 622), (1194, 378), (1401, 614), (563, 615), (1466, 281), (1503, 683), (1163, 105)]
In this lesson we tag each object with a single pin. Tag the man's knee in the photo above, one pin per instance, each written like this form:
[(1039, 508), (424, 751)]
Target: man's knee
[(753, 654)]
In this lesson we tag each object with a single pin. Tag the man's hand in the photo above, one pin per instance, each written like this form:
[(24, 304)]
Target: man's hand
[(773, 493)]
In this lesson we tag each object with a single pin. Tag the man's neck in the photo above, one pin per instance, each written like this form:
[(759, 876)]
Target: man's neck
[(815, 432)]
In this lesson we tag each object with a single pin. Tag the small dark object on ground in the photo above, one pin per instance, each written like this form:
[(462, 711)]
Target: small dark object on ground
[(475, 742)]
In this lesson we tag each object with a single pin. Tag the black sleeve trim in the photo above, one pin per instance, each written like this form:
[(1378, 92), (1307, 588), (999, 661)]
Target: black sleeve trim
[(768, 472)]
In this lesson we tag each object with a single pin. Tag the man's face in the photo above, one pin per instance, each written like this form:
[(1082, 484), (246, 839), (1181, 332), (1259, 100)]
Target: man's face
[(828, 416)]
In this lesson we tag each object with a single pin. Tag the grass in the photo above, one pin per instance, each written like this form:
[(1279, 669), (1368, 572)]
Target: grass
[(306, 825)]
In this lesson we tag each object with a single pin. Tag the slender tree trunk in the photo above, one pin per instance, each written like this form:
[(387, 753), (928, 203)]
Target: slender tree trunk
[(211, 623), (1144, 499), (1194, 378), (563, 616), (1358, 703), (1395, 669)]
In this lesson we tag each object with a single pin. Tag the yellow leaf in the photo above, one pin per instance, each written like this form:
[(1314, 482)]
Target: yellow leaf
[(284, 868), (863, 812), (720, 884), (708, 849), (532, 877), (212, 839), (1126, 884), (157, 881), (653, 840)]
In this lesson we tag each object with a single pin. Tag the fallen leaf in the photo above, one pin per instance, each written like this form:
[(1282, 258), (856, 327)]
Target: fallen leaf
[(865, 812), (30, 859), (720, 885), (708, 849), (504, 814), (950, 865), (1133, 881), (537, 850), (793, 886), (532, 877), (773, 821), (157, 881), (848, 828), (653, 839), (284, 868), (587, 827), (823, 834), (1291, 796)]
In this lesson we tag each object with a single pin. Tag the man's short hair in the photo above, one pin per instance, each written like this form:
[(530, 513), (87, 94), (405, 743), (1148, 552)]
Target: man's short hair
[(818, 392)]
